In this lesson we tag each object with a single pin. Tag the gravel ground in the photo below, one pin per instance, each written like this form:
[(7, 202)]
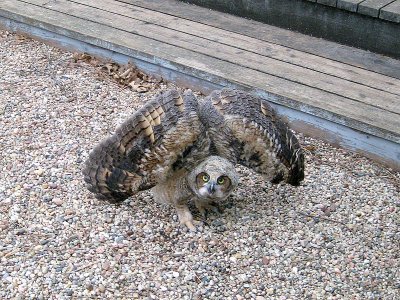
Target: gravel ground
[(335, 237)]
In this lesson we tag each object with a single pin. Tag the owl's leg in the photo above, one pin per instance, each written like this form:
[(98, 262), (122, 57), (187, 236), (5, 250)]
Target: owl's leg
[(185, 216), (171, 192)]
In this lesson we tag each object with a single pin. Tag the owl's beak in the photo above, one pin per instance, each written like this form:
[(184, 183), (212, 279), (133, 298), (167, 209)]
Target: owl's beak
[(211, 187)]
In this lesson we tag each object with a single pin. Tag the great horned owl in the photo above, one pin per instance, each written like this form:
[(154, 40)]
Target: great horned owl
[(185, 149)]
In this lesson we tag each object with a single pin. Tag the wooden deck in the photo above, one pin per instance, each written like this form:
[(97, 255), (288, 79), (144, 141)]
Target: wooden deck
[(341, 94), (388, 10)]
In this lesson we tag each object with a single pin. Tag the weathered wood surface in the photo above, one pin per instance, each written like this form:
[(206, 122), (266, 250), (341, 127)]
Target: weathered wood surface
[(291, 40), (266, 50), (295, 73), (319, 86), (383, 9), (317, 20), (327, 2), (391, 12), (350, 5), (372, 7)]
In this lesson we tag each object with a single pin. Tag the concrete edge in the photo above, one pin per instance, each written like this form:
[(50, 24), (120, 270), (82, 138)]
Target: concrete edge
[(374, 147)]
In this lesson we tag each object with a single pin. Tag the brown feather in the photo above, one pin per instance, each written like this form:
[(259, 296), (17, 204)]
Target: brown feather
[(173, 133), (259, 139), (144, 148)]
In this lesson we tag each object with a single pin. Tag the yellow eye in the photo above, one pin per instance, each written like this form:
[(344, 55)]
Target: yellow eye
[(205, 178), (221, 180)]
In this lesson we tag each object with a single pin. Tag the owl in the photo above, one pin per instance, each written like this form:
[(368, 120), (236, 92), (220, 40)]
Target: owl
[(185, 149)]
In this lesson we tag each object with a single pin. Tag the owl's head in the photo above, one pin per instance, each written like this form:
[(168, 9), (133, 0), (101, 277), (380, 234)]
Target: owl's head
[(213, 179)]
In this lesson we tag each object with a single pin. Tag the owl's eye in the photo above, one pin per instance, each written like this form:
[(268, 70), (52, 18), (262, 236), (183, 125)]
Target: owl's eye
[(221, 180), (205, 178)]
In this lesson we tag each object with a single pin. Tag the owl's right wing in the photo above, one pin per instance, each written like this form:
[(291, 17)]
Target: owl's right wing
[(246, 130), (146, 148)]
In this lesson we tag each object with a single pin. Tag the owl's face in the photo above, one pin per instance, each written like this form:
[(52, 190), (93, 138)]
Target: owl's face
[(213, 179)]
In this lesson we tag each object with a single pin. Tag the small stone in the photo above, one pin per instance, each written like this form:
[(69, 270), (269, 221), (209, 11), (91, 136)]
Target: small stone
[(69, 211), (21, 231), (102, 288), (39, 172), (57, 201), (100, 250), (38, 247), (175, 274), (106, 265), (303, 243), (359, 213), (47, 198), (119, 239), (266, 260), (44, 242), (351, 226), (329, 289), (52, 185)]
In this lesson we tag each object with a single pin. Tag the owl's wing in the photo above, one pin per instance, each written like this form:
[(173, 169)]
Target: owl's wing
[(146, 148), (245, 129)]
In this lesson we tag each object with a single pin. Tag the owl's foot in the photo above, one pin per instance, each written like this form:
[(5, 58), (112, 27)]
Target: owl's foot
[(185, 217), (204, 207)]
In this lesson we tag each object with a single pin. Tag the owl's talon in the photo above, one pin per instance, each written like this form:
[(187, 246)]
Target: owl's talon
[(190, 226), (203, 212), (185, 217)]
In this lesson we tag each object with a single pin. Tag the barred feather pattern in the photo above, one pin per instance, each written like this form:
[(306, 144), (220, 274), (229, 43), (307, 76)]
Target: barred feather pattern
[(145, 148), (175, 132), (247, 131)]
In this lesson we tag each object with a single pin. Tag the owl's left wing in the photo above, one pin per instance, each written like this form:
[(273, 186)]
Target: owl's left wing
[(147, 148), (245, 129)]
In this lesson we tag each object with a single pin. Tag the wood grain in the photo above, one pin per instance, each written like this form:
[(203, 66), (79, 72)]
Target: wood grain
[(311, 100), (295, 73)]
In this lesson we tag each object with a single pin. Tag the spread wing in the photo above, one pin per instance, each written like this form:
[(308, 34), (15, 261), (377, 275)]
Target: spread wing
[(246, 130), (146, 148)]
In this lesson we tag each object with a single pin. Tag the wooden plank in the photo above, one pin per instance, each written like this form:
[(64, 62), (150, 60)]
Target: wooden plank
[(372, 7), (391, 12), (251, 60), (355, 57), (281, 53), (350, 5), (309, 100), (382, 150), (327, 2)]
